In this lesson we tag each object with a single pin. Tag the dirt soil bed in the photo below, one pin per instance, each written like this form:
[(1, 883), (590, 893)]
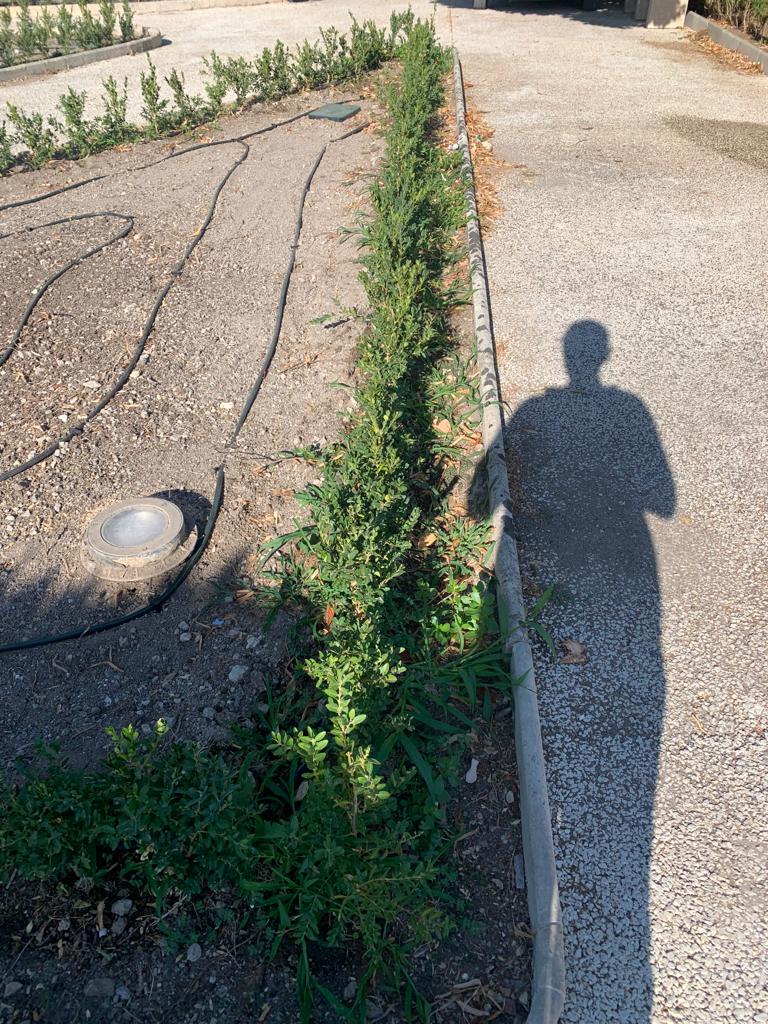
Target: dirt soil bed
[(202, 662)]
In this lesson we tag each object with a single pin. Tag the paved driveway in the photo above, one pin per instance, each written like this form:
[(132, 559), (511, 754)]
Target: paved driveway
[(629, 285)]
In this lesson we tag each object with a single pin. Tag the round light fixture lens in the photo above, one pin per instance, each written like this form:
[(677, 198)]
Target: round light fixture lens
[(141, 524), (137, 539)]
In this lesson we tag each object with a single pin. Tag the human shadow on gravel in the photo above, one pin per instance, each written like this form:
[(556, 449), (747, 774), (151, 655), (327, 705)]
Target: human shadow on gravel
[(589, 468)]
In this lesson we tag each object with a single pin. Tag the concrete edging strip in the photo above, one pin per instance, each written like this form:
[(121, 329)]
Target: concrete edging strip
[(729, 38), (78, 60), (548, 987)]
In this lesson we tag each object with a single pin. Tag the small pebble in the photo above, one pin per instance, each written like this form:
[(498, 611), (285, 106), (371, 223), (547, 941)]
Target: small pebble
[(100, 988), (12, 987), (194, 952), (238, 673), (183, 627), (350, 991), (209, 713), (121, 908), (185, 637)]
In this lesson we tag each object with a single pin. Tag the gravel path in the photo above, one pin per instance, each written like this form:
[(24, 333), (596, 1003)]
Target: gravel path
[(628, 277)]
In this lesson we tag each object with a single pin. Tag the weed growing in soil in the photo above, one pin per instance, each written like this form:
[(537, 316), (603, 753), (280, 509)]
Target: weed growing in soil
[(272, 75), (326, 814)]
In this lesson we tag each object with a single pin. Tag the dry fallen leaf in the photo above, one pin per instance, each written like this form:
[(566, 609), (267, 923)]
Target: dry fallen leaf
[(574, 653), (442, 426)]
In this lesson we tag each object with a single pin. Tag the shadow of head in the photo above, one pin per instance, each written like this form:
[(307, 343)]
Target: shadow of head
[(586, 346)]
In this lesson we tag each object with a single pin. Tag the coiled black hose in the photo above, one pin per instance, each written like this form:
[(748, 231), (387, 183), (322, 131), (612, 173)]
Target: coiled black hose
[(218, 496)]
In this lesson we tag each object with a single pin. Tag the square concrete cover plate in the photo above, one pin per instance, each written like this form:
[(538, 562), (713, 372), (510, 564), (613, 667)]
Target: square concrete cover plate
[(335, 111)]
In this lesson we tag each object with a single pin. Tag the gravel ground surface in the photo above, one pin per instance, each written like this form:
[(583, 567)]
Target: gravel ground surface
[(628, 279)]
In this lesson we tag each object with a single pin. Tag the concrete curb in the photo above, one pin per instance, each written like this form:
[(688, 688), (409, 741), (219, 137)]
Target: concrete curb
[(730, 38), (548, 987), (36, 68)]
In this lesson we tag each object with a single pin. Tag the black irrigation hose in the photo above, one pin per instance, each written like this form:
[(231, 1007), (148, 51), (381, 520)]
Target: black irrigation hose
[(251, 397), (218, 496), (43, 288), (149, 324), (143, 167)]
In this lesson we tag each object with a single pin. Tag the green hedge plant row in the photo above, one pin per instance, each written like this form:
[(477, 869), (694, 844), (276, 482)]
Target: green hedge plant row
[(232, 81), (32, 38), (324, 820)]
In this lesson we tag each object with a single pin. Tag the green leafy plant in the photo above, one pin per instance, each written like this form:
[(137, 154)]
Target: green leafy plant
[(64, 28), (27, 36), (33, 132), (749, 16), (240, 77), (274, 74), (125, 21), (88, 31), (80, 134), (108, 20), (45, 29), (325, 816), (115, 128), (6, 152), (154, 108), (217, 83), (308, 69), (336, 58), (7, 39), (189, 110)]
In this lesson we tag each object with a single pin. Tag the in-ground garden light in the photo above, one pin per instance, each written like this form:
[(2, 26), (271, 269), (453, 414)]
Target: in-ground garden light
[(137, 539)]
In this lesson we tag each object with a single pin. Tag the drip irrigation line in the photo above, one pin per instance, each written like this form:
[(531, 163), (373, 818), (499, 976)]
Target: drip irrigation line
[(154, 163), (281, 303), (43, 288), (218, 496), (149, 324)]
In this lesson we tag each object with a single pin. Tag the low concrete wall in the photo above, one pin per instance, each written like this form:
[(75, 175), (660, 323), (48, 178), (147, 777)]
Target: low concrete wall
[(666, 13), (729, 37), (657, 13), (80, 59)]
